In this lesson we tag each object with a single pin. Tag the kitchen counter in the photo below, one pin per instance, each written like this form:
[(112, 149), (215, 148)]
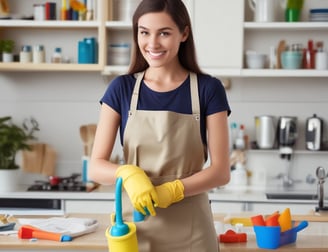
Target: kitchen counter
[(313, 238), (102, 200)]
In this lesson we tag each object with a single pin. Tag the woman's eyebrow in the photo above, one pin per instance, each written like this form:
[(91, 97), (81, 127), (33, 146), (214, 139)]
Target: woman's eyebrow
[(161, 29)]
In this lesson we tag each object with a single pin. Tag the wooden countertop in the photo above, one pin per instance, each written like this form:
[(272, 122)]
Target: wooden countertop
[(313, 238)]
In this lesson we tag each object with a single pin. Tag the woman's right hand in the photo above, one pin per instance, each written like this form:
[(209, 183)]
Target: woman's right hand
[(138, 186)]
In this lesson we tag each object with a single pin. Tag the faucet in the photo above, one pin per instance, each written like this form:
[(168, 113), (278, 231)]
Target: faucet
[(321, 175)]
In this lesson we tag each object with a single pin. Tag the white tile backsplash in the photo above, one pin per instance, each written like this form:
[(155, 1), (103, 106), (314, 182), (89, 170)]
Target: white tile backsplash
[(61, 102)]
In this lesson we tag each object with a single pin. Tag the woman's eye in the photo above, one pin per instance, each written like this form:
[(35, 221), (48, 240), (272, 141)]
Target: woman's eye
[(143, 32), (164, 34)]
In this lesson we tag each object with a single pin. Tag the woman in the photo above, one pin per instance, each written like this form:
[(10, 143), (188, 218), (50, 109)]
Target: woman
[(170, 115)]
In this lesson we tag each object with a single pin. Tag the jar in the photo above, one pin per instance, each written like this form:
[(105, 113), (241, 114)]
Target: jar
[(39, 54), (39, 12), (56, 56), (25, 55), (119, 54)]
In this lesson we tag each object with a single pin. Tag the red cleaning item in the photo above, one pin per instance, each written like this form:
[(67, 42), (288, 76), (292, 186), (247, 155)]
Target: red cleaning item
[(231, 237), (28, 232), (272, 220), (258, 220)]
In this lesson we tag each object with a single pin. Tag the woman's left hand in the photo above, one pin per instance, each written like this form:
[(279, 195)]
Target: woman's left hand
[(169, 193)]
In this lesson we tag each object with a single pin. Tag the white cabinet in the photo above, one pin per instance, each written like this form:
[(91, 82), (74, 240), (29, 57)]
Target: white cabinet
[(218, 28), (89, 206)]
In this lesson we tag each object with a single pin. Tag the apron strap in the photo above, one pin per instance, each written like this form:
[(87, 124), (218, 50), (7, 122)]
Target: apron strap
[(193, 90), (135, 94), (194, 96)]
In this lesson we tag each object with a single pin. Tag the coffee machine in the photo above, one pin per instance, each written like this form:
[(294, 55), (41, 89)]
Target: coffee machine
[(287, 136)]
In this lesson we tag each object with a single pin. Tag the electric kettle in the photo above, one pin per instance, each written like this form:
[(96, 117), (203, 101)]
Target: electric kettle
[(313, 133)]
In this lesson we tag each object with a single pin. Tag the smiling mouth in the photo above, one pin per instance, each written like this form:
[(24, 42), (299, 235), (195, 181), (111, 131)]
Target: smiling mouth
[(155, 54)]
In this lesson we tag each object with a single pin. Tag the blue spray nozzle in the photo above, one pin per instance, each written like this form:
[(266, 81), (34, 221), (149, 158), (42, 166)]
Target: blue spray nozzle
[(119, 228)]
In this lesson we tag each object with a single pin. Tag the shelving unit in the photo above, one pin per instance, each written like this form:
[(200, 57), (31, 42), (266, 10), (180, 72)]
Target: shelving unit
[(34, 32), (292, 27), (107, 31)]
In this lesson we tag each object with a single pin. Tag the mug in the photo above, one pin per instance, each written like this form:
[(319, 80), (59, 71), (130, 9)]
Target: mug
[(264, 10)]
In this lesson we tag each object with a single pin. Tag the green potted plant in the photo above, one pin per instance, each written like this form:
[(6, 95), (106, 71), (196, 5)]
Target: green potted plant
[(7, 49), (13, 138)]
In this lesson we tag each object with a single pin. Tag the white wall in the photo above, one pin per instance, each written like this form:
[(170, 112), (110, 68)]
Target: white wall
[(61, 102)]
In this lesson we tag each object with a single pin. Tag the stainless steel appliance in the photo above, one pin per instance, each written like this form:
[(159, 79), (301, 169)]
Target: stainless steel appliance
[(313, 133), (265, 131), (287, 134), (70, 183)]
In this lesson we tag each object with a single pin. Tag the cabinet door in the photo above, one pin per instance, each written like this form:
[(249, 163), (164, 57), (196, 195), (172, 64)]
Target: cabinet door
[(218, 27), (89, 206)]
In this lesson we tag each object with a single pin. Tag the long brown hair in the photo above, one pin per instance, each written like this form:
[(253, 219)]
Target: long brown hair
[(178, 12)]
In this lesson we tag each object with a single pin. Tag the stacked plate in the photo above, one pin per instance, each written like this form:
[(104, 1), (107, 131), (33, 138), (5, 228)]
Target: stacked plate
[(318, 15)]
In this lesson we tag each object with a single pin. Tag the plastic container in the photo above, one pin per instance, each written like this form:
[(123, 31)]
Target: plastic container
[(272, 237)]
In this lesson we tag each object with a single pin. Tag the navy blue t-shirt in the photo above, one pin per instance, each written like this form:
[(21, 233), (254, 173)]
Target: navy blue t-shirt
[(212, 95)]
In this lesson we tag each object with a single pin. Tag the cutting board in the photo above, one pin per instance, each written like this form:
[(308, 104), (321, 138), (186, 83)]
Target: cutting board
[(321, 216)]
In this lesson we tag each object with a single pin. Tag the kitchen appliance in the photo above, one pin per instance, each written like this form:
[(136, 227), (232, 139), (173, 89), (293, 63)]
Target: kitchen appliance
[(287, 135), (313, 133), (64, 184), (265, 131)]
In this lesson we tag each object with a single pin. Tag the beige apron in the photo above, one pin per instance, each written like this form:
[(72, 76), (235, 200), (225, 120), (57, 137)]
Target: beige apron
[(168, 146)]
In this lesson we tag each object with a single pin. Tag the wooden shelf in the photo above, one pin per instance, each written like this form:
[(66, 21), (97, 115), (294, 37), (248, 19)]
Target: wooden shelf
[(49, 24), (15, 66), (287, 25)]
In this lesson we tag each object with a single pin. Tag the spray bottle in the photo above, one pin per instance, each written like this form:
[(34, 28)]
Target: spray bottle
[(121, 237)]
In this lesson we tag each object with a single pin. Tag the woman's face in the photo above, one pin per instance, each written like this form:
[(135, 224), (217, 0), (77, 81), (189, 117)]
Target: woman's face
[(159, 39)]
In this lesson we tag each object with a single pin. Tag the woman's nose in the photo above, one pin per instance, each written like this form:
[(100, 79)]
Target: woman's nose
[(153, 41)]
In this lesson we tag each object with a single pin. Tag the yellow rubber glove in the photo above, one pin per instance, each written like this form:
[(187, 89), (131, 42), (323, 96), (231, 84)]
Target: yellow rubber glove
[(139, 188), (169, 193)]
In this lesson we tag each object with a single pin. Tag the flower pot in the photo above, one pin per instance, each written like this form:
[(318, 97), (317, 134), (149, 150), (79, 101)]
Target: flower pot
[(9, 180), (7, 57)]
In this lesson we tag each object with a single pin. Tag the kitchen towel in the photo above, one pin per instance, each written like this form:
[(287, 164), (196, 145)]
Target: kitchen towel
[(67, 226)]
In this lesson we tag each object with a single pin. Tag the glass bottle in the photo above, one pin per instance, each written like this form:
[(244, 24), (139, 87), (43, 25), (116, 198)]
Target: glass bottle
[(56, 56)]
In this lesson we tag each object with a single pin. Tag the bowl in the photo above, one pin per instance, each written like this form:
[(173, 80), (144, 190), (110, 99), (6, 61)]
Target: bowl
[(291, 59), (255, 60)]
